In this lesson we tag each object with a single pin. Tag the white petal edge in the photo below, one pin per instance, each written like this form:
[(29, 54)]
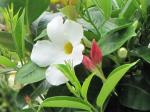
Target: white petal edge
[(149, 45), (73, 31), (55, 77), (43, 53), (77, 54), (55, 30)]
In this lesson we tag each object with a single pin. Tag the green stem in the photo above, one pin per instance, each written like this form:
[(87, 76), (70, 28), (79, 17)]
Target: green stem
[(90, 20), (100, 73), (92, 107)]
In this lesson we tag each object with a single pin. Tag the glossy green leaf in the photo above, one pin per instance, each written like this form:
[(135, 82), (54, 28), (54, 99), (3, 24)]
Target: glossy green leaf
[(111, 82), (144, 6), (143, 52), (96, 17), (65, 101), (105, 6), (129, 9), (113, 41), (6, 62), (85, 85), (30, 73), (134, 93), (110, 26), (114, 25)]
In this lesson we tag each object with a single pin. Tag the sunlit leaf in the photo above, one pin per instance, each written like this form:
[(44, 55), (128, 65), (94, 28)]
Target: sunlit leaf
[(6, 62), (85, 85), (111, 82), (65, 101), (105, 6)]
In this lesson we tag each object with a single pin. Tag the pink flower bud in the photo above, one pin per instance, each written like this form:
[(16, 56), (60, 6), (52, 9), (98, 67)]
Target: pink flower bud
[(95, 53), (87, 62)]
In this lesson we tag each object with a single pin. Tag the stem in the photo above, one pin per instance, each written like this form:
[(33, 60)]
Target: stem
[(92, 107), (102, 76), (100, 73), (114, 58), (90, 20)]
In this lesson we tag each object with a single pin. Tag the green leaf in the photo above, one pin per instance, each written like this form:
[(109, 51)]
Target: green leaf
[(89, 3), (30, 73), (65, 101), (6, 62), (111, 82), (143, 52), (105, 28), (42, 35), (114, 25), (120, 3), (105, 6), (42, 88), (129, 9), (3, 3), (112, 42), (34, 8), (85, 85), (144, 6), (19, 35), (70, 11), (135, 94), (6, 40), (69, 72)]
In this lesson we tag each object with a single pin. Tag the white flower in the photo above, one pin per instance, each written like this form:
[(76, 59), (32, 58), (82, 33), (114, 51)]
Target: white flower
[(64, 45), (149, 45)]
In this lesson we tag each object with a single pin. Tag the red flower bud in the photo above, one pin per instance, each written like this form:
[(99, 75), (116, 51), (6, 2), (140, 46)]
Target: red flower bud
[(87, 62), (95, 53)]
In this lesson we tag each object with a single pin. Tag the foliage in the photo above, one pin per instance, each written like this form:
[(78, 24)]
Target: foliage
[(114, 24)]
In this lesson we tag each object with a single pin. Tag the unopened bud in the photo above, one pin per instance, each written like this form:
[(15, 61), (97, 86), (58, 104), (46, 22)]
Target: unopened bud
[(95, 53), (122, 52), (87, 62)]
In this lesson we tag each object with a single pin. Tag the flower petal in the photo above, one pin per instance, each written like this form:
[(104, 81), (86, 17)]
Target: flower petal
[(73, 31), (44, 53), (55, 30), (77, 54), (55, 77)]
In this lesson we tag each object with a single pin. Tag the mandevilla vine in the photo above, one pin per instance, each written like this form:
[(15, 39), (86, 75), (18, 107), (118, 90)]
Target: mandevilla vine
[(74, 55)]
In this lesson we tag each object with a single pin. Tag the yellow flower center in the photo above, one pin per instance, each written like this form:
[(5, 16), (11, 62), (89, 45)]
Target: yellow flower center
[(68, 48)]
